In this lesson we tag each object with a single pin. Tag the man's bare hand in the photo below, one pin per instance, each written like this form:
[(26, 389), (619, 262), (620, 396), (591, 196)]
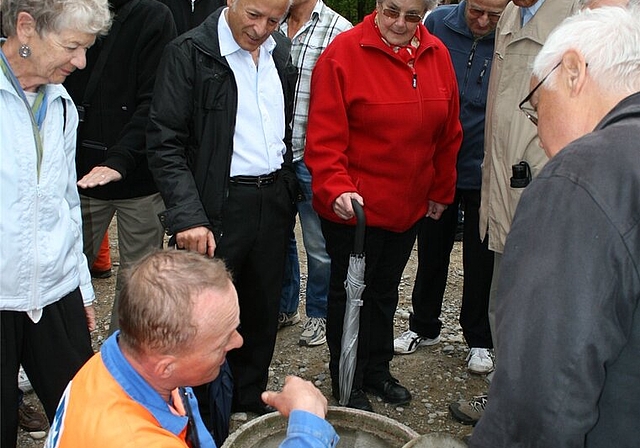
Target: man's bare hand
[(199, 239), (297, 394), (99, 175)]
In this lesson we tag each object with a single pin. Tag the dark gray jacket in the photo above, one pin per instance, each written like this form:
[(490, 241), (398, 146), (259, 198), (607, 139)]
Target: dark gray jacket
[(192, 122), (568, 370)]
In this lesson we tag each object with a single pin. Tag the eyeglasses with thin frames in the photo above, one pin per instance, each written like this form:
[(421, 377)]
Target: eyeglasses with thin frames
[(476, 12), (408, 17), (530, 112)]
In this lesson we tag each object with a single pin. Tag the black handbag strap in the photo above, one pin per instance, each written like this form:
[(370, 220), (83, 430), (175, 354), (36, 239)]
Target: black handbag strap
[(96, 73)]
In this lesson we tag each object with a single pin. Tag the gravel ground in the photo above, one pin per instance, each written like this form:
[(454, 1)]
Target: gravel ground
[(435, 375)]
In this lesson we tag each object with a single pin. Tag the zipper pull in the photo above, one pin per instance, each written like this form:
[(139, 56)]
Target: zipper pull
[(193, 4), (483, 71), (415, 80), (472, 53)]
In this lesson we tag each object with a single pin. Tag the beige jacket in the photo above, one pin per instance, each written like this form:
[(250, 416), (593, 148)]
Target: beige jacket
[(509, 136)]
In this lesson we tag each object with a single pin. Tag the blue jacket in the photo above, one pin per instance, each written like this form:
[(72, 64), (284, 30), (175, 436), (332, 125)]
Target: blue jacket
[(471, 59)]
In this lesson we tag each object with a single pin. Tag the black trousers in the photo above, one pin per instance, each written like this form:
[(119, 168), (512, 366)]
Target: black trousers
[(435, 242), (387, 254), (51, 352), (256, 227)]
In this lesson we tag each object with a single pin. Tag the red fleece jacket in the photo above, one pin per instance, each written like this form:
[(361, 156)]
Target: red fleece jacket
[(370, 131)]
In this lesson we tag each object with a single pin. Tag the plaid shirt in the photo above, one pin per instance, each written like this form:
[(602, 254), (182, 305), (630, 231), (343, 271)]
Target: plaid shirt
[(307, 44)]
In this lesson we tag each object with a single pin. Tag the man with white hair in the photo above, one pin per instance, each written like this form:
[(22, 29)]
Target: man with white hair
[(569, 290)]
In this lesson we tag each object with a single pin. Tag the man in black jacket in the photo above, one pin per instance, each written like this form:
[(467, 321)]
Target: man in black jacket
[(219, 148), (113, 96)]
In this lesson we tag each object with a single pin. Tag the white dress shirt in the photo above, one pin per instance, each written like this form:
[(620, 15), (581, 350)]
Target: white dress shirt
[(258, 145)]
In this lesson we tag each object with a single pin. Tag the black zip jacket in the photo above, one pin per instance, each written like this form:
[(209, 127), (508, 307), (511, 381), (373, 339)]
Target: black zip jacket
[(192, 123), (190, 13), (115, 117)]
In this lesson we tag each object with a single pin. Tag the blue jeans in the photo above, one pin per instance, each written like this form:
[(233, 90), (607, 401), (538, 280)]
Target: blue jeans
[(318, 262)]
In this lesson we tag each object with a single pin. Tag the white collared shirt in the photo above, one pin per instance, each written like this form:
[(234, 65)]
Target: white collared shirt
[(258, 146)]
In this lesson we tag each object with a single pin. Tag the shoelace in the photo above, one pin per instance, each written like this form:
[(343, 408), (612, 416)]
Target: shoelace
[(478, 403)]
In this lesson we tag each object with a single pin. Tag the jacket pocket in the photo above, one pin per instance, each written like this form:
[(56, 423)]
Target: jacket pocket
[(93, 152)]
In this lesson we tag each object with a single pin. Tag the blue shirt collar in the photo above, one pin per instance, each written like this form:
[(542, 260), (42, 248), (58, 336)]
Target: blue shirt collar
[(140, 391)]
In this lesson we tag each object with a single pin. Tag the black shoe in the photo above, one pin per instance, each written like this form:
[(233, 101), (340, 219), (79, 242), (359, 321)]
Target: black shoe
[(100, 274), (390, 391), (357, 400)]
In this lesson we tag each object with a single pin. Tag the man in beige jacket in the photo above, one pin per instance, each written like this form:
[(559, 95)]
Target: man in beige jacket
[(509, 137)]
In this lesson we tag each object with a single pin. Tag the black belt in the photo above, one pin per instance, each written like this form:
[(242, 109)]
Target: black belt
[(255, 181)]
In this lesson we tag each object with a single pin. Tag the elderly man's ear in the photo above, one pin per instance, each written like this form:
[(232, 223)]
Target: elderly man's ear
[(573, 72), (164, 367)]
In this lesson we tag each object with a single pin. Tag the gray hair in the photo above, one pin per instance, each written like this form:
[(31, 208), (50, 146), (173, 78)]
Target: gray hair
[(427, 5), (599, 3), (609, 40), (87, 16)]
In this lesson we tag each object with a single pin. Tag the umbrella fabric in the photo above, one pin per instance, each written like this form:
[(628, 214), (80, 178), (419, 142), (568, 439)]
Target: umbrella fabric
[(354, 286)]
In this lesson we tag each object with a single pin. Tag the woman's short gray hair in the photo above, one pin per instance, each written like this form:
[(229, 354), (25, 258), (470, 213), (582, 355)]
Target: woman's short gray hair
[(609, 40), (427, 5), (87, 16)]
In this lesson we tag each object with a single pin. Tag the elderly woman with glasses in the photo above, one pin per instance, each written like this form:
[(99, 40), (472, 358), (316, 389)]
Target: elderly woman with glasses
[(45, 286), (383, 130)]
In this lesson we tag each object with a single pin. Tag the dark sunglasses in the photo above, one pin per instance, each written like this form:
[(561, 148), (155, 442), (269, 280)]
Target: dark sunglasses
[(408, 17)]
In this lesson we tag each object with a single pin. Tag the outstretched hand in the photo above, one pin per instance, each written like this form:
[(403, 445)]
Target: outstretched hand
[(99, 175), (297, 394)]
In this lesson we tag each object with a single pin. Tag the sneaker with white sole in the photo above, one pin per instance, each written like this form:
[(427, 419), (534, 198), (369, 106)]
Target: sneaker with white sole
[(409, 341), (469, 412), (314, 333), (480, 360), (288, 319)]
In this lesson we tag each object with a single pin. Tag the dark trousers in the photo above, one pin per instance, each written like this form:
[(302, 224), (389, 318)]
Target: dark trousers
[(51, 352), (435, 242), (256, 227), (386, 254)]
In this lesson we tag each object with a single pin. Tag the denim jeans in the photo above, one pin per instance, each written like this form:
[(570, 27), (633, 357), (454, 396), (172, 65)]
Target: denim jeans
[(318, 262)]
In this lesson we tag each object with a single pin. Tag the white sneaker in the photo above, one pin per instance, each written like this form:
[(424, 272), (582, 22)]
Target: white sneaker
[(314, 333), (479, 360), (288, 319), (23, 381), (409, 341)]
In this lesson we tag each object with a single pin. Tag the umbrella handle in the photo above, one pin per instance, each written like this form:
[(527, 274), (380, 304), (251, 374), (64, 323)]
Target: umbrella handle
[(358, 244)]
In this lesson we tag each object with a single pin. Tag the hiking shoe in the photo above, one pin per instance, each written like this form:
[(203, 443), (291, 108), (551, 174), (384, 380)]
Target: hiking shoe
[(288, 319), (95, 273), (479, 360), (31, 419), (468, 412), (314, 333), (23, 381), (409, 341)]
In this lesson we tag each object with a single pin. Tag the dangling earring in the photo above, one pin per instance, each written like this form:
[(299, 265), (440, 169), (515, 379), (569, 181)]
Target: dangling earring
[(24, 51)]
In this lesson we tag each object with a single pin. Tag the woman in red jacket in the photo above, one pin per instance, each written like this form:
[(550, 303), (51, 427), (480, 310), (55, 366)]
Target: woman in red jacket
[(384, 130)]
